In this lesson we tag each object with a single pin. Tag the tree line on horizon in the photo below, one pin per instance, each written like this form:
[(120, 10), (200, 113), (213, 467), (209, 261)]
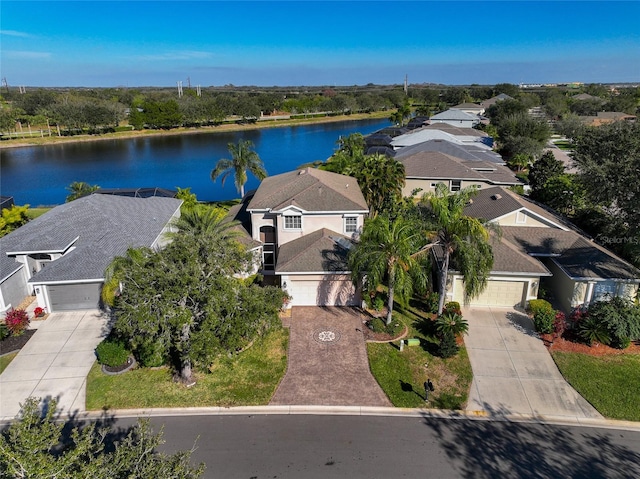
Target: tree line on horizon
[(101, 110)]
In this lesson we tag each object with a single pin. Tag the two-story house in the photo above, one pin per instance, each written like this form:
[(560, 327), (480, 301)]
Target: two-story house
[(304, 221)]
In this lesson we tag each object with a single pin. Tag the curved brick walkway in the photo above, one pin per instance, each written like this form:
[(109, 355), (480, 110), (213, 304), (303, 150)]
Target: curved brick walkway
[(328, 363)]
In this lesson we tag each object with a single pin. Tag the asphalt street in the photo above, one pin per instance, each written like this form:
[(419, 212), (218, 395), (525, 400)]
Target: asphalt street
[(322, 446)]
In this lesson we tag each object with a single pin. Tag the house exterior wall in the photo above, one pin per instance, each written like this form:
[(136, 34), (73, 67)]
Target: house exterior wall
[(261, 219), (311, 223), (516, 219), (13, 290), (566, 291)]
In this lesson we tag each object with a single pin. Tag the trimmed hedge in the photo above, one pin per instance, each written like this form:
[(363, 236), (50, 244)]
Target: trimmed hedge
[(112, 353)]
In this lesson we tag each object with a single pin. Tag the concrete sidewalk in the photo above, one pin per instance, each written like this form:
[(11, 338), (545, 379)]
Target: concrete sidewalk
[(55, 362), (513, 371)]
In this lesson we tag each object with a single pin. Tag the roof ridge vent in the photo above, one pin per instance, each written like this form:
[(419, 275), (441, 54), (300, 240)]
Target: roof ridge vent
[(497, 196)]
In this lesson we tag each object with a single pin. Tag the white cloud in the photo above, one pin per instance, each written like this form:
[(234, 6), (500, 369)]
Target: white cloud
[(14, 33), (26, 55), (175, 55)]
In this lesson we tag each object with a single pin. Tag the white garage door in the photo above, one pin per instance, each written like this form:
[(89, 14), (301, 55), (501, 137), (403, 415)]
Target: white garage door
[(322, 293), (67, 297), (497, 293)]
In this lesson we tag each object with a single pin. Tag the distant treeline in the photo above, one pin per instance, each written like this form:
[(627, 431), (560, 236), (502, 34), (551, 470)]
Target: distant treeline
[(99, 110)]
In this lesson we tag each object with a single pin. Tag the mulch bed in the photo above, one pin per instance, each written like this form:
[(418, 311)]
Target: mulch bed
[(570, 345), (15, 343), (118, 369)]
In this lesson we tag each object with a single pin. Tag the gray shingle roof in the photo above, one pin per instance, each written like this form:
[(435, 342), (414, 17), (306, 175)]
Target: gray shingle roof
[(311, 190), (456, 130), (454, 114), (312, 253), (464, 152), (105, 226)]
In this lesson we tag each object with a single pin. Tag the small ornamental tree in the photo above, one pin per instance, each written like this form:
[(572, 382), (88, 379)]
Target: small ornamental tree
[(17, 321)]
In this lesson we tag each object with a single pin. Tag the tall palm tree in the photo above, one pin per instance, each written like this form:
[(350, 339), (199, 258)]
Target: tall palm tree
[(463, 239), (386, 254), (78, 189), (243, 159)]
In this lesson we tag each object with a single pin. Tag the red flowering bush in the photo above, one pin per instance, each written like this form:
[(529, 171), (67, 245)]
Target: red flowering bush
[(576, 316), (38, 311), (559, 324), (17, 321)]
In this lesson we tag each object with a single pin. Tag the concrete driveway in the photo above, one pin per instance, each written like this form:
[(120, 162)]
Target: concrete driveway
[(328, 363), (55, 362), (513, 372)]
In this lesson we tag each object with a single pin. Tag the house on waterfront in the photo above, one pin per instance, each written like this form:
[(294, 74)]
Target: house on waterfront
[(61, 256), (301, 224), (456, 117)]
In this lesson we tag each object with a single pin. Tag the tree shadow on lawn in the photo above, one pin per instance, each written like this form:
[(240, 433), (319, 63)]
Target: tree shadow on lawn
[(489, 449)]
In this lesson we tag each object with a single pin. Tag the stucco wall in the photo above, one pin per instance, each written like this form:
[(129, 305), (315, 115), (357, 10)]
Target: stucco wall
[(563, 288), (311, 223), (14, 290), (413, 183), (529, 220)]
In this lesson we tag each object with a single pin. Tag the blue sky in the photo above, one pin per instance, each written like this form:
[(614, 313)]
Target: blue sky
[(156, 43)]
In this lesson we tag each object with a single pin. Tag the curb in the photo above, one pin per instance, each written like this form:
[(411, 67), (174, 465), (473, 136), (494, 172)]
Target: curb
[(371, 411)]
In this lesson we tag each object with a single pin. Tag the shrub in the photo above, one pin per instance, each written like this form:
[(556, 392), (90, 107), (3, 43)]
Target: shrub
[(451, 323), (544, 320), (38, 311), (536, 305), (620, 317), (151, 354), (448, 347), (4, 331), (559, 324), (592, 330), (112, 353), (378, 303), (430, 301), (17, 321), (452, 307)]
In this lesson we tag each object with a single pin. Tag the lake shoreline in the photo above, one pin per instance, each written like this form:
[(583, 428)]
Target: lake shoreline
[(226, 128)]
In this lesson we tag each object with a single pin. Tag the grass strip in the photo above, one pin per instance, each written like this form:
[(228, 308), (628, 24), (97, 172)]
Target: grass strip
[(248, 379), (610, 383), (401, 375), (5, 360)]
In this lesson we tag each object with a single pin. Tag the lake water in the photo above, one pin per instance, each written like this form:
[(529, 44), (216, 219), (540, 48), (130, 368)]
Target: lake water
[(40, 175)]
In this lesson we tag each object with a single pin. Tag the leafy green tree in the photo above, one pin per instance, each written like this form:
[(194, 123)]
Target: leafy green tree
[(520, 162), (116, 272), (381, 180), (12, 218), (542, 170), (78, 189), (189, 200), (562, 193), (387, 253), (522, 134), (243, 158), (162, 114), (35, 446), (463, 240)]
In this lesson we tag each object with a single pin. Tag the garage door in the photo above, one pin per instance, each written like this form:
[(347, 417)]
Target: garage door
[(497, 293), (322, 293), (66, 297)]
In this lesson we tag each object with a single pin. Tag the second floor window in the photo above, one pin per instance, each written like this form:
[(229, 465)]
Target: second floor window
[(293, 222), (350, 224)]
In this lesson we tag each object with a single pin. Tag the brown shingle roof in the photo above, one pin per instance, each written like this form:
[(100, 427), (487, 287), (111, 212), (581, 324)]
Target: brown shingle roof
[(239, 213), (311, 190), (313, 253), (437, 165)]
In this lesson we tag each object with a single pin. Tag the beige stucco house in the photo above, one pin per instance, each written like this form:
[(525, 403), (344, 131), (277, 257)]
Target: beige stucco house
[(303, 222), (538, 246)]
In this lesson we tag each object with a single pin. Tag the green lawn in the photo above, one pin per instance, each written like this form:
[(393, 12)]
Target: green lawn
[(610, 383), (33, 213), (563, 145), (402, 374), (249, 378), (5, 360)]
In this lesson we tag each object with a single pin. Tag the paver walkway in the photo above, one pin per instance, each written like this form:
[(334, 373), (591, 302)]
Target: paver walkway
[(55, 362), (513, 373), (328, 362)]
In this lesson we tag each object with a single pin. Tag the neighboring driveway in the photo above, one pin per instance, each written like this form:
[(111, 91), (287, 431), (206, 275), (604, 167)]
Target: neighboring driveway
[(328, 362), (513, 373), (55, 362)]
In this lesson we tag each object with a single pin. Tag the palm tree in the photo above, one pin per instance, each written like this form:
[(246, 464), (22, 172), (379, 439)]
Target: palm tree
[(77, 189), (243, 159), (381, 180), (463, 239), (204, 221), (386, 252)]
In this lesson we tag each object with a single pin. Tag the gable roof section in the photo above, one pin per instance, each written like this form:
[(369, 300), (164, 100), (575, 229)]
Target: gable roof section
[(310, 190), (317, 252), (436, 165), (104, 225), (454, 114), (240, 214), (464, 151)]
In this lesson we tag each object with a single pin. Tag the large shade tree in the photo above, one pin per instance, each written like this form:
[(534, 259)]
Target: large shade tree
[(459, 239), (387, 253), (243, 159)]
